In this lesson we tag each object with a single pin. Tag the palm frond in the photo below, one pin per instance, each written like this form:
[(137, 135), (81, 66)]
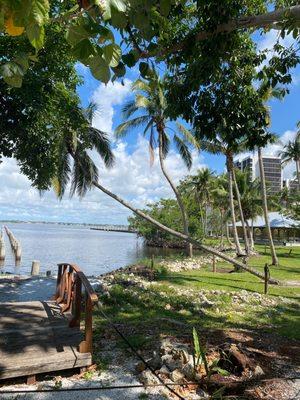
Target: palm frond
[(141, 101), (62, 177), (183, 151), (123, 128), (100, 141), (139, 84), (83, 174), (188, 135), (129, 109), (211, 147)]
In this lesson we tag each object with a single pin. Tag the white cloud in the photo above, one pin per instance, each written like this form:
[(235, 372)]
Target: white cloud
[(131, 178), (106, 97)]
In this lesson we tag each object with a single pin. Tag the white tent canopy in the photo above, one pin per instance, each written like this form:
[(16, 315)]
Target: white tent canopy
[(277, 220)]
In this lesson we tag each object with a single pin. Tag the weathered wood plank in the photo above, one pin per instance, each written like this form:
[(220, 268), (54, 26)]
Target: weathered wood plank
[(36, 338)]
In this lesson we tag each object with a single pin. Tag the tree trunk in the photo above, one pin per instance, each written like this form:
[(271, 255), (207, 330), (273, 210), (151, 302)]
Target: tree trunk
[(182, 236), (265, 207), (227, 235), (231, 205), (238, 197), (298, 172), (185, 221), (250, 235)]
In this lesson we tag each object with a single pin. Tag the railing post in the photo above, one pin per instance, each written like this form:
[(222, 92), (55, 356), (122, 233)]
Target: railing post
[(87, 345), (267, 277), (58, 282), (76, 303)]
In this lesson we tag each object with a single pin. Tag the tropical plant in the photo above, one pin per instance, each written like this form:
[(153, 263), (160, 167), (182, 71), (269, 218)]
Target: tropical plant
[(219, 146), (200, 186), (291, 152), (150, 100), (251, 201), (75, 165)]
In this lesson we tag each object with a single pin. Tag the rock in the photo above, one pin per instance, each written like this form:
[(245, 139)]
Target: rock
[(155, 362), (166, 346), (148, 378), (258, 371), (234, 359), (140, 367), (164, 370), (169, 361), (177, 376), (188, 371)]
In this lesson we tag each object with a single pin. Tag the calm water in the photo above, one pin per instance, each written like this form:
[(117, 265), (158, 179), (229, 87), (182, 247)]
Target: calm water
[(95, 252)]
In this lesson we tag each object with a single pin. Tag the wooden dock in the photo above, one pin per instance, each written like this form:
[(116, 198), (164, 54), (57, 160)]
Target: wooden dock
[(38, 337)]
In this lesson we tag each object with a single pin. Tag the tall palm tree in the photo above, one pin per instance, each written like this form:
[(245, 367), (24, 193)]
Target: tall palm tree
[(250, 199), (150, 106), (200, 186), (74, 147), (218, 146), (291, 152), (267, 92)]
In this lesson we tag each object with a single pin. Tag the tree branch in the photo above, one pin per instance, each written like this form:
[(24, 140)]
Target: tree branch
[(273, 19)]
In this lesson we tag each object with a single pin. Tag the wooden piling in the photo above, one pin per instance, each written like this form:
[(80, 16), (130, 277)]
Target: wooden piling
[(2, 247), (35, 268), (15, 244)]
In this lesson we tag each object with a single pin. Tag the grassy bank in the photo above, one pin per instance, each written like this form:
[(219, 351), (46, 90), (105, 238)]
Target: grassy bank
[(170, 305)]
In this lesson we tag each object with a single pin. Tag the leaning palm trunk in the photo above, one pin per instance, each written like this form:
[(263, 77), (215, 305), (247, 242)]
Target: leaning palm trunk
[(265, 207), (231, 205), (189, 247), (238, 197), (182, 236)]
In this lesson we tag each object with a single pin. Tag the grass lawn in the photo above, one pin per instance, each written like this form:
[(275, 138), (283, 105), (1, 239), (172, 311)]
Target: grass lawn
[(170, 306)]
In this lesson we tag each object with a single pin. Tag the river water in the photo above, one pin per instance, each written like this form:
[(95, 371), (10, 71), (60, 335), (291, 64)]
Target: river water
[(96, 252)]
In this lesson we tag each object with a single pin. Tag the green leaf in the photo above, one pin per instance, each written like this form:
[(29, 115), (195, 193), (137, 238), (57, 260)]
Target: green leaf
[(36, 35), (221, 371), (165, 6), (39, 12), (112, 54), (83, 50), (119, 5), (12, 74), (129, 59), (144, 69), (100, 69), (76, 33), (118, 19), (196, 342), (105, 35), (120, 70)]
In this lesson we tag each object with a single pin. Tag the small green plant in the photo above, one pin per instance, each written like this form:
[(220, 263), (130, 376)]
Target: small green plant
[(200, 357), (143, 396), (88, 375)]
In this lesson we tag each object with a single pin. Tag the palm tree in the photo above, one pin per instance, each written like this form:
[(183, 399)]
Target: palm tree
[(151, 102), (218, 146), (74, 164), (75, 146), (267, 92), (250, 199), (291, 152), (199, 186)]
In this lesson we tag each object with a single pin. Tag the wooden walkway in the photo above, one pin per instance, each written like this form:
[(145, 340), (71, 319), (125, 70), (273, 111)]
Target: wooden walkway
[(38, 337)]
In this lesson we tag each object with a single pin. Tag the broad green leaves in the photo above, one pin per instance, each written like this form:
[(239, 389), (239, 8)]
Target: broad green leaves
[(112, 54), (100, 69), (13, 71)]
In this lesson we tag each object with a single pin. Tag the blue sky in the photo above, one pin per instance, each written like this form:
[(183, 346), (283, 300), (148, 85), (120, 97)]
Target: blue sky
[(132, 178)]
